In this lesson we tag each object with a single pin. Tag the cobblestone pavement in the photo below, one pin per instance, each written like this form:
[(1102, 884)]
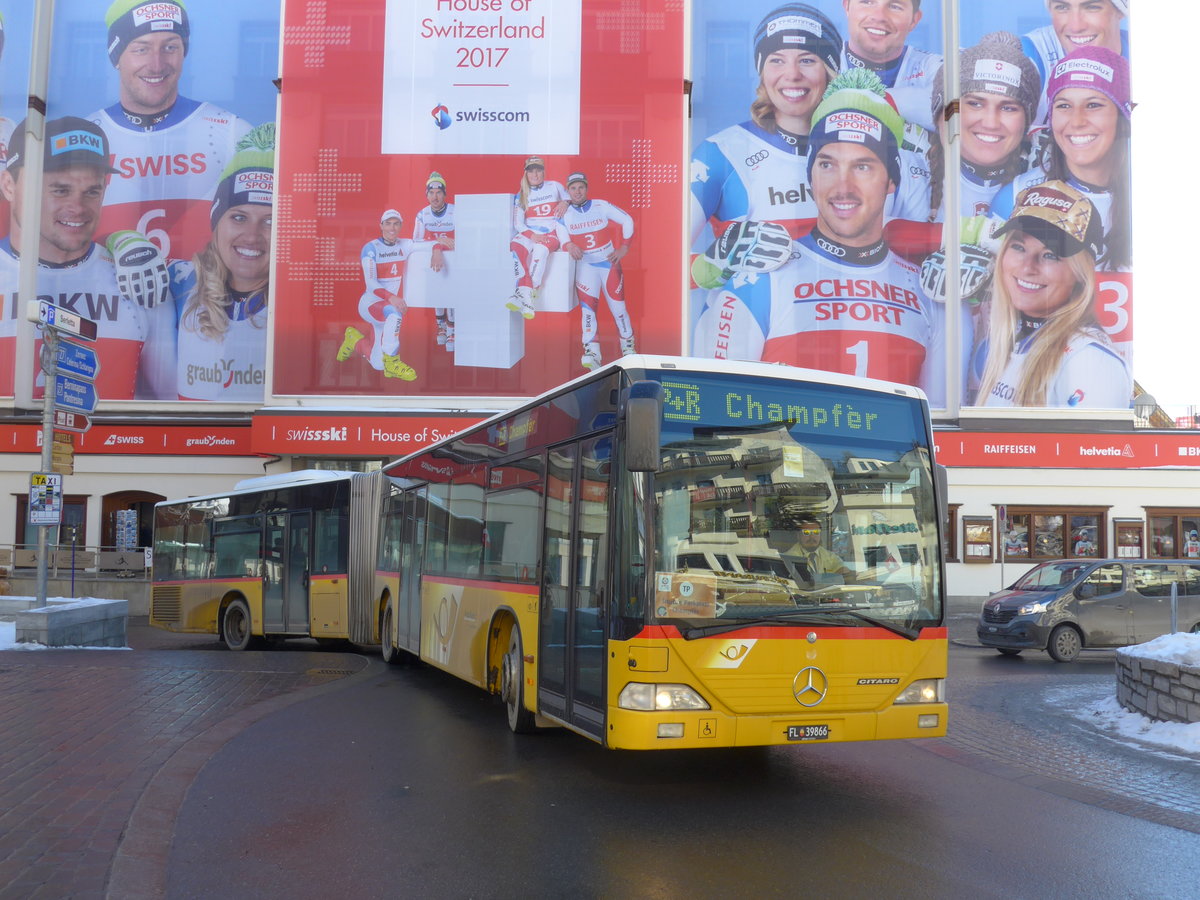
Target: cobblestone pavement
[(1020, 725), (98, 747)]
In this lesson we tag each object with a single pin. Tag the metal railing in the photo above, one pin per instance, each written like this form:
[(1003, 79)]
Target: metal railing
[(65, 559)]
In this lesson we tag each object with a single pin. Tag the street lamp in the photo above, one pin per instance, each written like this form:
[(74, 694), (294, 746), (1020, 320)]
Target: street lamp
[(1144, 406)]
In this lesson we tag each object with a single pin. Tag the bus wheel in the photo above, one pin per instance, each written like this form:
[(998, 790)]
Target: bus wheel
[(392, 655), (512, 686), (235, 625), (1064, 644)]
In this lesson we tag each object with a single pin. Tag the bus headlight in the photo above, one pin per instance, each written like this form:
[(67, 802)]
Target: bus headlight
[(1030, 608), (927, 690), (649, 697)]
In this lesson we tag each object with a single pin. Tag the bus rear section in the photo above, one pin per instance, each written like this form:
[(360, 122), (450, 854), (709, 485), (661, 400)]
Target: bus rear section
[(269, 559)]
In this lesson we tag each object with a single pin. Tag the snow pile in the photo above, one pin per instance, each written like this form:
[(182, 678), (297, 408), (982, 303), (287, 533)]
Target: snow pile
[(1109, 716), (1180, 648)]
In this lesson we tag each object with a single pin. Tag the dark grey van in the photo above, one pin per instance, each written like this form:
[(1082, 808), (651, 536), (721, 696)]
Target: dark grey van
[(1068, 605)]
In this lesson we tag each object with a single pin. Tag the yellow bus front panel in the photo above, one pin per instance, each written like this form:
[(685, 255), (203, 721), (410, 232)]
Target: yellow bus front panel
[(776, 686)]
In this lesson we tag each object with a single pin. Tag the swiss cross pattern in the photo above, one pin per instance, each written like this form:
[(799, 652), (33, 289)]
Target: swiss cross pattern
[(641, 173), (313, 261), (328, 182), (315, 34), (633, 23)]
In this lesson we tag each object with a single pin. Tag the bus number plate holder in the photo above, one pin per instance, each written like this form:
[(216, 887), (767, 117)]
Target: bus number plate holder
[(808, 733)]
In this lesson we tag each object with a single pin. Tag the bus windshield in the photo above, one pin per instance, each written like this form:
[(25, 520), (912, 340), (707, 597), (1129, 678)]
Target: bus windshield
[(784, 502)]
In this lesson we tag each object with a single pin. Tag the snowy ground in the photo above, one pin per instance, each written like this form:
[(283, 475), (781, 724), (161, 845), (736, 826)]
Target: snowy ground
[(1103, 713)]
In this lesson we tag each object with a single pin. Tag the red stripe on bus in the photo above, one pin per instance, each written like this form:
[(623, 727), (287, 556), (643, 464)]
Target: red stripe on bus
[(509, 586), (651, 632)]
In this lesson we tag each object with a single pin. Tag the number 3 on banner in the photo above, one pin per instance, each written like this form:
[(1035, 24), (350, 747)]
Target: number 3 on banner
[(1113, 304), (156, 235)]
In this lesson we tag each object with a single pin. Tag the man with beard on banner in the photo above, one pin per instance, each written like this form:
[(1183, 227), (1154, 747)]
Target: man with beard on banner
[(877, 40), (1075, 24), (844, 302), (73, 272), (169, 152)]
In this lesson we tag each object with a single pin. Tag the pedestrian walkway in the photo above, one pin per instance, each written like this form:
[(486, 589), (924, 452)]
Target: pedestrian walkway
[(98, 749)]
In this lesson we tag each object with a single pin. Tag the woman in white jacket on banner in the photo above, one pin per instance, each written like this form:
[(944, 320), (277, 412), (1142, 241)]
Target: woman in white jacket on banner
[(1044, 346)]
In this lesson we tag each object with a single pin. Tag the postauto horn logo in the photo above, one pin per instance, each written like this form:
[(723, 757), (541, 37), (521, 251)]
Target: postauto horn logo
[(441, 117)]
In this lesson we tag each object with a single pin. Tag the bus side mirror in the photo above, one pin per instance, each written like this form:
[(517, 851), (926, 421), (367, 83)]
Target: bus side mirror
[(643, 426)]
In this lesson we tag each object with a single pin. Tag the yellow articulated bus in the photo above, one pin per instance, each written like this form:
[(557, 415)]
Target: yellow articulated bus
[(671, 553), (270, 559)]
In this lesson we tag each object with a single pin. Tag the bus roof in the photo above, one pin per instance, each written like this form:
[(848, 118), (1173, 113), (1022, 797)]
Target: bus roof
[(653, 362), (267, 482)]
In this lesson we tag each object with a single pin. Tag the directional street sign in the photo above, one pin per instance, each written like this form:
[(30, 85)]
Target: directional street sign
[(61, 319), (74, 394), (78, 360), (71, 421)]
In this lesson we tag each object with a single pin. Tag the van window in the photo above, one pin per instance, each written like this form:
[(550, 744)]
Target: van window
[(1153, 581), (1191, 580), (1107, 579)]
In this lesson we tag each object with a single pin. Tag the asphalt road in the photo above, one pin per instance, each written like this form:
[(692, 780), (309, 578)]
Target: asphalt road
[(406, 782)]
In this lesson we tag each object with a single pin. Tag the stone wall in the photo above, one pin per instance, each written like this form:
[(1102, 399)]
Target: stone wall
[(1166, 691)]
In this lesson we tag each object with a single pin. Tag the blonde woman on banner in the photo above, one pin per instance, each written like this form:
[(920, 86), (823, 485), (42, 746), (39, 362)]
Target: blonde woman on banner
[(1044, 346), (224, 289)]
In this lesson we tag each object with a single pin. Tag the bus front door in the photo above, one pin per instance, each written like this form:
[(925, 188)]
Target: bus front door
[(571, 675)]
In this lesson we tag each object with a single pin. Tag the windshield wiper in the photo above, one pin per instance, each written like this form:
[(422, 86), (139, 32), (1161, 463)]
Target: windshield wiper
[(789, 617), (895, 627)]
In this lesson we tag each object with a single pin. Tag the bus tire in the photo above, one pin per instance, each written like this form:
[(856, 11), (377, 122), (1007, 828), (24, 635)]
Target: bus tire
[(235, 625), (1064, 644), (392, 655), (512, 686)]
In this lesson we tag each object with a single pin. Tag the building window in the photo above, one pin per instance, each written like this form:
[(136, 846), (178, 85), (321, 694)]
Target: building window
[(1129, 535), (1054, 533), (1174, 533)]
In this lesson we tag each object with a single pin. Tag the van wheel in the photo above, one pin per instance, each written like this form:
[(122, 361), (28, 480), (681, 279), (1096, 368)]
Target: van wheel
[(1064, 644), (512, 686), (1008, 651)]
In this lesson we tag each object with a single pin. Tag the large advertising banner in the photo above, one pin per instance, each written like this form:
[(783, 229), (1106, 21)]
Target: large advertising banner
[(818, 186), (478, 197), (157, 205)]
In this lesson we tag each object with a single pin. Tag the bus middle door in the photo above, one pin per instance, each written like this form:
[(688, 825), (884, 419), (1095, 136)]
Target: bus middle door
[(286, 602), (575, 588)]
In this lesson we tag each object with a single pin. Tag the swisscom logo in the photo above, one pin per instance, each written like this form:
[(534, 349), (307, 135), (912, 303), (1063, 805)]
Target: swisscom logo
[(443, 118)]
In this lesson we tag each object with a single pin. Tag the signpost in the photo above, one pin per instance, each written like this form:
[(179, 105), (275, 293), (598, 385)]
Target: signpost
[(71, 421), (74, 393), (61, 319), (73, 390), (79, 360), (62, 454)]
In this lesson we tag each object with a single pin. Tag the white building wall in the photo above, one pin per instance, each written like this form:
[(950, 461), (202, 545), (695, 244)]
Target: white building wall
[(1126, 492)]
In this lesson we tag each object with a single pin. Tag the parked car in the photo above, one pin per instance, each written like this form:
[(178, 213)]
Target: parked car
[(1069, 605)]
